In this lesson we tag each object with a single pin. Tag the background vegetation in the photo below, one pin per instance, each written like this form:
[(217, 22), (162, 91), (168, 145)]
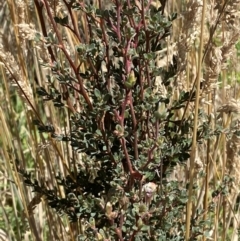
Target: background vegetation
[(119, 120)]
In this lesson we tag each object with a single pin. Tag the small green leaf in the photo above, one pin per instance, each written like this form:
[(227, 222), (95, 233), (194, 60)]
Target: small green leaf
[(97, 93)]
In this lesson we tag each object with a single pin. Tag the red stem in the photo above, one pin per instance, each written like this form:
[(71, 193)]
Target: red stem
[(62, 47)]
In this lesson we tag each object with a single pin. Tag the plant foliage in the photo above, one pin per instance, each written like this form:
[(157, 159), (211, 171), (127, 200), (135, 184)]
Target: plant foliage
[(126, 121)]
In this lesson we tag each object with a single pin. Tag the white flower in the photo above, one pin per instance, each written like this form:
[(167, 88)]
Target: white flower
[(149, 189)]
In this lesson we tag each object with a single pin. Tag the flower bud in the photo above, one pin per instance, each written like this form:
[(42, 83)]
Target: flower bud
[(82, 227), (142, 208), (108, 209), (92, 222), (160, 112), (131, 80), (113, 215), (139, 223), (99, 236)]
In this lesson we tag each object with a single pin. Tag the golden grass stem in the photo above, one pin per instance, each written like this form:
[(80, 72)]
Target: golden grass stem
[(194, 139), (207, 170)]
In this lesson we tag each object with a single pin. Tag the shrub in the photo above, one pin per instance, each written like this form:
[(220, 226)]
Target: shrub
[(124, 122)]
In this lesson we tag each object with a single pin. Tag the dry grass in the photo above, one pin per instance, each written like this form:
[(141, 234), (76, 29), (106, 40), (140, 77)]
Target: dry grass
[(204, 38)]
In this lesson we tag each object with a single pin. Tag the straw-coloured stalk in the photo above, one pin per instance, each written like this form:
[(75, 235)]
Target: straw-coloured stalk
[(194, 142)]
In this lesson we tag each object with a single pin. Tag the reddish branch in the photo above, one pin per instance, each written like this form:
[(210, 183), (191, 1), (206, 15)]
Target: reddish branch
[(62, 47)]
